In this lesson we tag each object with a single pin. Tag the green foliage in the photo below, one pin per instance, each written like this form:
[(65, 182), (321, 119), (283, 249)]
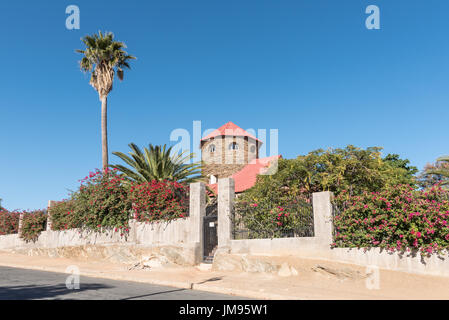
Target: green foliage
[(33, 223), (158, 163), (395, 161), (263, 219), (353, 169), (64, 215), (397, 218)]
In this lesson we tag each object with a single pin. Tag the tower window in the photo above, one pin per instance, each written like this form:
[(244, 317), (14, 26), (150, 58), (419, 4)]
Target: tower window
[(233, 146), (253, 149), (212, 148)]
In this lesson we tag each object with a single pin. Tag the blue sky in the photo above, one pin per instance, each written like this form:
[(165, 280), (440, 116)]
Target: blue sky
[(307, 68)]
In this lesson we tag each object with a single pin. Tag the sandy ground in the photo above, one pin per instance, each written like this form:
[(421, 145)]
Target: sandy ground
[(315, 280)]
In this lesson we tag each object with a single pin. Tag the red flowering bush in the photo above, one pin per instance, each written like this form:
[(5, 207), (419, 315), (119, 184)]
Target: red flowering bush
[(101, 203), (105, 201), (63, 217), (399, 218), (159, 200), (33, 223), (9, 222)]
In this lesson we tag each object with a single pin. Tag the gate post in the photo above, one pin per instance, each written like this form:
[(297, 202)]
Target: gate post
[(197, 211), (322, 217), (226, 195), (20, 223), (49, 223)]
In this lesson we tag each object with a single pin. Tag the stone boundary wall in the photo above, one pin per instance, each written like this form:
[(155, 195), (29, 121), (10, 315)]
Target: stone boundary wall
[(183, 233), (275, 247), (55, 239), (434, 265), (175, 232)]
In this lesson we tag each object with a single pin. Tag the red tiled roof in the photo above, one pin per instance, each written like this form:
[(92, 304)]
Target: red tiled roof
[(230, 129), (246, 178)]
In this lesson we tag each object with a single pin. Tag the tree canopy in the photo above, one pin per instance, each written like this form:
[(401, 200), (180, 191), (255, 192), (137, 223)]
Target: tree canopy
[(433, 173), (104, 57), (352, 169)]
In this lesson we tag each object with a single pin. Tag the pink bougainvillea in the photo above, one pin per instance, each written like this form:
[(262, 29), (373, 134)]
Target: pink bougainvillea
[(397, 218)]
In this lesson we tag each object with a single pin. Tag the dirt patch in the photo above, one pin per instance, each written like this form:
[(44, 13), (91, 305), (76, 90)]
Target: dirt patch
[(340, 273), (121, 254)]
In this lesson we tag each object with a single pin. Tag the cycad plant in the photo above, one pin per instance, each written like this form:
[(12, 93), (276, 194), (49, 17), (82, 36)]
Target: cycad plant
[(158, 163), (442, 172), (104, 58)]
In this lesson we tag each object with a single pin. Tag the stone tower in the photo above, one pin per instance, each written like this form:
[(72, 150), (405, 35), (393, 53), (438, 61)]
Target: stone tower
[(227, 150)]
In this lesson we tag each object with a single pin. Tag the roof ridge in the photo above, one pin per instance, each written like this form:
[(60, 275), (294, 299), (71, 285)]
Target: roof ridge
[(224, 131)]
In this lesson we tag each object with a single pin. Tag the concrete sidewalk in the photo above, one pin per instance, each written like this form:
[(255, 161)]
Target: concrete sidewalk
[(328, 281)]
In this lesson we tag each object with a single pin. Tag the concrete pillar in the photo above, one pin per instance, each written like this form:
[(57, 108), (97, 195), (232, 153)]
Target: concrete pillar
[(197, 211), (132, 235), (50, 204), (226, 196), (20, 223), (322, 217)]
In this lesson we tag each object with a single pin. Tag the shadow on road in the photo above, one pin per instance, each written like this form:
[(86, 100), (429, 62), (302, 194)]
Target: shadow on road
[(154, 294), (210, 280), (32, 292), (170, 291)]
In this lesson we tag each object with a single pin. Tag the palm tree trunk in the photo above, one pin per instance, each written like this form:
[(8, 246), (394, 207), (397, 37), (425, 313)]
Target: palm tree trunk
[(104, 131)]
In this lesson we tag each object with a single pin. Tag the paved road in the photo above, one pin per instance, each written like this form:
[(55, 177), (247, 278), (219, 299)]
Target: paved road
[(21, 284)]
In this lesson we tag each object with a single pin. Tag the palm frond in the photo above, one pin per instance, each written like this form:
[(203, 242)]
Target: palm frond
[(158, 163), (103, 56)]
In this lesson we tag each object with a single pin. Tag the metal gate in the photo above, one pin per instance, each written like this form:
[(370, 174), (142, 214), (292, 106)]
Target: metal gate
[(210, 237)]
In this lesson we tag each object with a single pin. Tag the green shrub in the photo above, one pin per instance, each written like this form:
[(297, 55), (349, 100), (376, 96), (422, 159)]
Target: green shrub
[(398, 218), (63, 216), (353, 169), (33, 223)]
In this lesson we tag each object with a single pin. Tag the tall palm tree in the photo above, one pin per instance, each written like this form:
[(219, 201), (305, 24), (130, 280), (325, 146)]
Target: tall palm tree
[(442, 172), (104, 58), (158, 163)]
